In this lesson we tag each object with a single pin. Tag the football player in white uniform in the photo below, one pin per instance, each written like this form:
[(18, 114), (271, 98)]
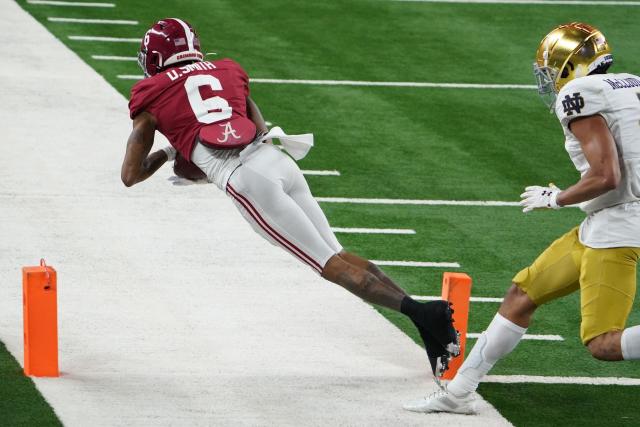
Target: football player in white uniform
[(600, 116)]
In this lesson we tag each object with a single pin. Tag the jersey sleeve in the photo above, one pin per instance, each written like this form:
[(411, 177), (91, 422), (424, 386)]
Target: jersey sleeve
[(582, 97), (141, 96), (242, 74)]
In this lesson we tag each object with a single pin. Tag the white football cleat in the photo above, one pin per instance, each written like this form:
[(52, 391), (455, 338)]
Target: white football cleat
[(443, 401)]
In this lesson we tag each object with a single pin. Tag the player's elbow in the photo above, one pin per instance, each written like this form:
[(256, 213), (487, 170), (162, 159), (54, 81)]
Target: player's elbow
[(611, 180), (127, 179)]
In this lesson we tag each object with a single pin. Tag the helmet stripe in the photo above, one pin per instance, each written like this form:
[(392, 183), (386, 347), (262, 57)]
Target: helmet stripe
[(188, 34)]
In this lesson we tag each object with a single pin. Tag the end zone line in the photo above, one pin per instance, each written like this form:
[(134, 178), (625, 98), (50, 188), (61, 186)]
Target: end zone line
[(526, 337), (373, 230), (321, 172), (416, 264), (537, 2), (92, 21), (438, 298), (113, 58), (69, 3), (515, 379), (105, 39), (416, 202)]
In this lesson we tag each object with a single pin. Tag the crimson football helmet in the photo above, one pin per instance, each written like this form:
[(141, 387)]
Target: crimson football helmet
[(168, 42)]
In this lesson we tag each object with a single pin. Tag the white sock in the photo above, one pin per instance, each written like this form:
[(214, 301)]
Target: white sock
[(630, 343), (500, 338)]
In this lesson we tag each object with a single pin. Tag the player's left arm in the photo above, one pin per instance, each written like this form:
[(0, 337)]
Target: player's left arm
[(138, 164), (600, 150)]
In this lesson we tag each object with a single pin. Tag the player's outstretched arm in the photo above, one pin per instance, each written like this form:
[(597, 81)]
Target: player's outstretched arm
[(600, 151), (138, 165)]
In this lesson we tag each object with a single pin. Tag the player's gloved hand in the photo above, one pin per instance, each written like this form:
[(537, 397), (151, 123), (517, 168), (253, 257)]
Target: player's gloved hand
[(536, 197), (170, 152)]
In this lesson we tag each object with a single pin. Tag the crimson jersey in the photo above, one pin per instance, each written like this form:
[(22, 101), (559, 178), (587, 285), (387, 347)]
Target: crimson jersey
[(205, 99)]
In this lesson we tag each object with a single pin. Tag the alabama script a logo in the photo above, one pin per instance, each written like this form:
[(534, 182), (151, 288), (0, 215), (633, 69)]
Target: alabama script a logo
[(228, 131), (573, 103)]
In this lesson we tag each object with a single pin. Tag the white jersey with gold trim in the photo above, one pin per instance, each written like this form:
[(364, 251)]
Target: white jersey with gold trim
[(613, 218)]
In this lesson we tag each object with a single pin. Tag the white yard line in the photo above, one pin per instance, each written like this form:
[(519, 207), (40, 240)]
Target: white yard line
[(105, 39), (526, 337), (321, 172), (394, 84), (373, 230), (472, 299), (92, 21), (129, 58), (366, 83), (416, 202), (533, 2), (417, 264), (514, 379), (69, 3), (114, 58)]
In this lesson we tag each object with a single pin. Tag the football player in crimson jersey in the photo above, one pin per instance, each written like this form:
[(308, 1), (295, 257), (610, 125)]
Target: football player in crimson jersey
[(204, 110), (599, 114)]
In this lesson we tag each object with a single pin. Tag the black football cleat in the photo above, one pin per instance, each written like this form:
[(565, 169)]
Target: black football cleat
[(441, 340), (437, 320)]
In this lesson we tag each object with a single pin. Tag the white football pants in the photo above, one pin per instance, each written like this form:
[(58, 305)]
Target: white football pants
[(270, 191)]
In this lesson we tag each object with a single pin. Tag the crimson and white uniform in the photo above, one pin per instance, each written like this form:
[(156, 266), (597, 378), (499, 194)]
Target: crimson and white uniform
[(202, 110)]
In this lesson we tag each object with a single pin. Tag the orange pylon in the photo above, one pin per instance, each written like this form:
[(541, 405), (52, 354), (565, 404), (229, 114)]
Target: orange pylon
[(40, 310)]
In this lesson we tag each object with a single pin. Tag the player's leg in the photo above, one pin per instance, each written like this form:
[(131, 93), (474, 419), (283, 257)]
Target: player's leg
[(553, 274), (607, 290), (354, 259), (301, 194), (433, 319), (259, 188)]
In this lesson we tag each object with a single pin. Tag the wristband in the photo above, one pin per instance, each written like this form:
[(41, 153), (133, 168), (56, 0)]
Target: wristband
[(553, 200), (170, 152)]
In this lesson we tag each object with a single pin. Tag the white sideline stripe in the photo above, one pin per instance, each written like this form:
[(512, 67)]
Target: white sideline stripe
[(365, 83), (322, 173), (114, 58), (416, 202), (69, 3), (416, 263), (92, 21), (472, 299), (373, 230), (514, 379), (527, 337), (105, 39), (394, 84), (554, 2)]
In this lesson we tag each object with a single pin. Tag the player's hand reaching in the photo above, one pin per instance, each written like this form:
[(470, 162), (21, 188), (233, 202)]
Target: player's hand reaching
[(536, 197)]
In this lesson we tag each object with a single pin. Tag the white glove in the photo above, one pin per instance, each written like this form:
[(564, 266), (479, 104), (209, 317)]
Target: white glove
[(536, 197), (170, 152)]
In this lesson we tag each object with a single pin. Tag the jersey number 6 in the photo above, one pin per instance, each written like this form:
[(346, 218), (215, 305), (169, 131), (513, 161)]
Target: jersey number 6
[(202, 108)]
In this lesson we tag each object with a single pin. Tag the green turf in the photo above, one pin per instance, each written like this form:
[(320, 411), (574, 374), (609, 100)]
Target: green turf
[(537, 404), (20, 402), (417, 143)]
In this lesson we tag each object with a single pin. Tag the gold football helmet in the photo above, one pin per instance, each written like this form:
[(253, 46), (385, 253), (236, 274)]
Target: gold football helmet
[(569, 51)]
